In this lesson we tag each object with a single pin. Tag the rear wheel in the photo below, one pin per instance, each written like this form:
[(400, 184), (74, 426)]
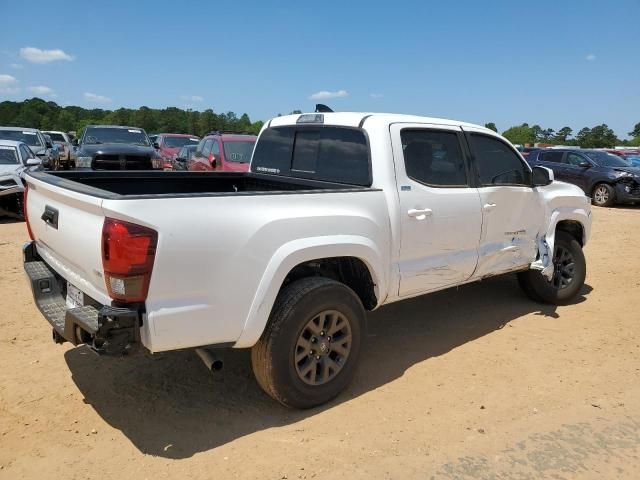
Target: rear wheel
[(569, 272), (309, 351), (603, 195)]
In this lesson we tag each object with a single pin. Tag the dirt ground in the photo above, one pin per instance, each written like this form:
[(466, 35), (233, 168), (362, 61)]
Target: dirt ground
[(477, 382)]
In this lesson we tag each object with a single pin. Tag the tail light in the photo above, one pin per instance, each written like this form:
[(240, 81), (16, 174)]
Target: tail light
[(128, 252), (24, 210)]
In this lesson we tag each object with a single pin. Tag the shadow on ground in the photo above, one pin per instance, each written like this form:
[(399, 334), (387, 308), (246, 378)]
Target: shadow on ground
[(172, 406)]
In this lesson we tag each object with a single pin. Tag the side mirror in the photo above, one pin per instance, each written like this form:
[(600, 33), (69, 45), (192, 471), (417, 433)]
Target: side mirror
[(155, 145), (74, 142), (584, 164), (33, 162), (214, 161), (41, 153), (542, 176)]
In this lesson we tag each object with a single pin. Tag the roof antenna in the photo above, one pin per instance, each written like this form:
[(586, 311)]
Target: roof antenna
[(320, 108)]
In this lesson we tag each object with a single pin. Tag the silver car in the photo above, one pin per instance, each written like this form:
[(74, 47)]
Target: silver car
[(36, 141), (15, 159), (65, 147)]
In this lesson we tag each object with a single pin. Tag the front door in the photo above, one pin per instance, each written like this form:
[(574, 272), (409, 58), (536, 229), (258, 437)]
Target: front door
[(440, 211), (512, 210)]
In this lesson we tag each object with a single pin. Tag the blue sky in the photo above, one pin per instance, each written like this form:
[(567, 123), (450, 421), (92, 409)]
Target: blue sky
[(553, 63)]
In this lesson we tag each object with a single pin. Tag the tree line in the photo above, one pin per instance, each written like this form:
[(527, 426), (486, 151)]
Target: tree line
[(38, 113), (600, 136)]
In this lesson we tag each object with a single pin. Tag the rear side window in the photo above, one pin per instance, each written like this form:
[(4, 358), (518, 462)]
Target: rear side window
[(331, 154), (497, 163), (434, 158), (553, 157)]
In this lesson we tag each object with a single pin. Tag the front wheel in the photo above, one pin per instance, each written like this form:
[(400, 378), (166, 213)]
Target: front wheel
[(603, 195), (569, 272), (309, 350)]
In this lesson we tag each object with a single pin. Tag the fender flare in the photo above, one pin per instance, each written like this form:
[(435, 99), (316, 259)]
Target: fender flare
[(298, 251)]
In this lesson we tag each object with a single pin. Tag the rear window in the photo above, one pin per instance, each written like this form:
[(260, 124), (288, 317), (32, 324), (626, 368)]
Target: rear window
[(56, 137), (331, 154), (238, 151)]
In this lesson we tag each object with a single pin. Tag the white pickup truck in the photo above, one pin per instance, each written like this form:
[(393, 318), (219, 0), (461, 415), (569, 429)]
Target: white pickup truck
[(340, 213)]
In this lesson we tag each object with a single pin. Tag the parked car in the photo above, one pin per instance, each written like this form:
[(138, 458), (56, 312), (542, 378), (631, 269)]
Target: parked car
[(36, 141), (15, 158), (525, 151), (168, 145), (632, 157), (606, 178), (340, 213), (223, 152), (65, 147), (111, 147), (181, 160)]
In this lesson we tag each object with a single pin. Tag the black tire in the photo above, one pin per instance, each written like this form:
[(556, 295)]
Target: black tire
[(554, 292), (274, 356), (603, 195)]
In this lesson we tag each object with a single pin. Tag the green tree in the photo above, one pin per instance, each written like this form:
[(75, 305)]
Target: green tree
[(562, 135), (491, 126), (520, 134), (635, 133)]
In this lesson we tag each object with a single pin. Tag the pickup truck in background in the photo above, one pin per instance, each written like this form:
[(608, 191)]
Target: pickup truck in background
[(112, 147), (339, 214)]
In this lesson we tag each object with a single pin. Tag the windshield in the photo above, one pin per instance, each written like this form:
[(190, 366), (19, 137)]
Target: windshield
[(605, 159), (8, 156), (178, 142), (30, 138), (132, 136), (239, 152), (56, 137)]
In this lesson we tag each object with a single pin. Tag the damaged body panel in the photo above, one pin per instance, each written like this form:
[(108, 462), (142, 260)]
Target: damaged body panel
[(15, 159)]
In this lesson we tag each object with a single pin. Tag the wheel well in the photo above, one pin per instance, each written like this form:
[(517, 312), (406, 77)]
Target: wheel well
[(348, 270), (573, 228)]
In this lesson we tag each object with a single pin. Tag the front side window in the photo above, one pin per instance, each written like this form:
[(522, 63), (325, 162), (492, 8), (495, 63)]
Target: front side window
[(498, 163), (206, 149), (434, 158), (26, 153), (574, 159), (552, 157), (215, 149)]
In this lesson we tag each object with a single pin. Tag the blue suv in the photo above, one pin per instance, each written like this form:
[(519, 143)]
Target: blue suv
[(606, 178)]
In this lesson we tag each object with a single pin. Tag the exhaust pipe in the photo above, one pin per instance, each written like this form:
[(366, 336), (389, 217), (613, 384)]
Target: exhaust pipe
[(212, 361)]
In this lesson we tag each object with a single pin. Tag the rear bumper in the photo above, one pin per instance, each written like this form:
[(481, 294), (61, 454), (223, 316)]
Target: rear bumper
[(105, 329)]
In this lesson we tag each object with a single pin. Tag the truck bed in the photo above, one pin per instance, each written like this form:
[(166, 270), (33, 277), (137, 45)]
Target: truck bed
[(150, 184)]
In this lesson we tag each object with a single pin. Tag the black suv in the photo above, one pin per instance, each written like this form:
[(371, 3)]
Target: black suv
[(606, 178), (110, 147)]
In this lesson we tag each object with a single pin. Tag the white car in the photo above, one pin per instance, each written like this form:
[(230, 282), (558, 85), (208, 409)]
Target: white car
[(339, 214), (15, 158)]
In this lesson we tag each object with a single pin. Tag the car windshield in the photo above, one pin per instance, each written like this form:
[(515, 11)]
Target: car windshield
[(238, 151), (177, 142), (30, 138), (56, 137), (132, 136), (605, 159), (8, 155)]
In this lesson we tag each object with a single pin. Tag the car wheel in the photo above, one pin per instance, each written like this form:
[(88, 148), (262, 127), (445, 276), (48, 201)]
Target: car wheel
[(569, 272), (309, 350), (603, 195)]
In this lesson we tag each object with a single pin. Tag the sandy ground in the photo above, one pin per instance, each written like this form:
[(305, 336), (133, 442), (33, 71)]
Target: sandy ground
[(477, 382)]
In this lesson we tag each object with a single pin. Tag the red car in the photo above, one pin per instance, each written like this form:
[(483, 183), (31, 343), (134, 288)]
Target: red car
[(223, 152), (169, 144)]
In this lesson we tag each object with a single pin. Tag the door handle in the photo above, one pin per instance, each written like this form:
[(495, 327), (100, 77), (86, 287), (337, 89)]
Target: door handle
[(489, 206), (419, 213)]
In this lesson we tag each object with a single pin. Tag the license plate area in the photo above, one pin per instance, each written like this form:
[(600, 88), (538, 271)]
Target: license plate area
[(75, 297)]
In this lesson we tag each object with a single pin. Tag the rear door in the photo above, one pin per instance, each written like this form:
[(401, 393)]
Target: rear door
[(67, 228), (440, 211), (512, 211), (553, 159)]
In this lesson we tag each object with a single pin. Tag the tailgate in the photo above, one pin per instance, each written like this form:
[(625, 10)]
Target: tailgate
[(67, 229)]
